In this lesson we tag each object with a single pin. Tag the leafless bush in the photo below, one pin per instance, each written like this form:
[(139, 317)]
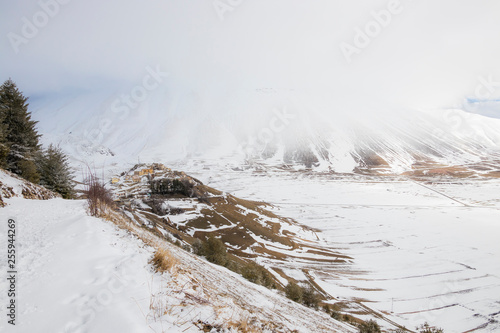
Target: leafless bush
[(99, 198)]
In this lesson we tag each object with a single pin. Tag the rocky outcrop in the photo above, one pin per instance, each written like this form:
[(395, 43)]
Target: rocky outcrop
[(12, 185)]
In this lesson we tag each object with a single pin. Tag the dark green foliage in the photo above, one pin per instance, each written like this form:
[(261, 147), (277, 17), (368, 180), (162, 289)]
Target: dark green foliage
[(294, 292), (27, 169), (307, 296), (18, 135), (310, 297), (335, 315), (257, 274), (369, 326), (425, 328), (4, 148), (19, 147), (55, 172), (171, 186), (4, 152), (214, 250), (157, 206)]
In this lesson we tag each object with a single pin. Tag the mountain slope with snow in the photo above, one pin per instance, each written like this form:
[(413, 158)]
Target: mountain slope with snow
[(270, 126)]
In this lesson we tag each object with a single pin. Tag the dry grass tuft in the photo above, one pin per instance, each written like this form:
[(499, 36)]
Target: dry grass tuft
[(163, 260), (244, 325)]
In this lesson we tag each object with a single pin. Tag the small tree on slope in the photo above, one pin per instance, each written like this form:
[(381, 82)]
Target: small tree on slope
[(55, 172), (18, 137), (369, 326)]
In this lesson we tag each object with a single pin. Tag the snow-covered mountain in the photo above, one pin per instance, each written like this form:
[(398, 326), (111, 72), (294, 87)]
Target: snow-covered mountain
[(270, 126)]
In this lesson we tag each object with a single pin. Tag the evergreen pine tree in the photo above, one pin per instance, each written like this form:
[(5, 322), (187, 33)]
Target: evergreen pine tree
[(19, 137), (4, 148), (55, 172)]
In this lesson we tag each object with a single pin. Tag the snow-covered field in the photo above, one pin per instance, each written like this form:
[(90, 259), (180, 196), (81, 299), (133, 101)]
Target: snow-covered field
[(421, 252)]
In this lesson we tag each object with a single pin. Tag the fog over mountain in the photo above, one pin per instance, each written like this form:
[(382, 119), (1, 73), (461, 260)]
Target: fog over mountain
[(344, 154), (188, 76)]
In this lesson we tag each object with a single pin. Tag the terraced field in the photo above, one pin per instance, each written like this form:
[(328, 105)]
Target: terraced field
[(404, 251), (420, 249)]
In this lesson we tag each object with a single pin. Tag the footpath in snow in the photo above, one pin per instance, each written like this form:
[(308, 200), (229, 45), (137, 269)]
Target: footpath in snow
[(77, 273)]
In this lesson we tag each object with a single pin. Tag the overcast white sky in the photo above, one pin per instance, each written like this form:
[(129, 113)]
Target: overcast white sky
[(429, 55)]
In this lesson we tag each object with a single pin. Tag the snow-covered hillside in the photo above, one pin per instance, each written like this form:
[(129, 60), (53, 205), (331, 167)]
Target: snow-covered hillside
[(78, 273), (271, 126)]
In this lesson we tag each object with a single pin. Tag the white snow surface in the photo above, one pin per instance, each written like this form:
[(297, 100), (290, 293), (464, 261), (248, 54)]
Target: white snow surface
[(75, 273)]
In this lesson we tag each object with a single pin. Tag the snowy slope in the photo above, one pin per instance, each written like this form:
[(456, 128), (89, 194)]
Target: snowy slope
[(82, 274), (76, 273)]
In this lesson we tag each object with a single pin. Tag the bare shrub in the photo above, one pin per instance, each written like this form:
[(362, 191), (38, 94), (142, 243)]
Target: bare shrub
[(99, 198)]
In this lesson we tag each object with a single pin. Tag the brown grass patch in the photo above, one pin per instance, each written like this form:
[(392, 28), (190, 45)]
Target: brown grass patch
[(163, 260), (243, 326)]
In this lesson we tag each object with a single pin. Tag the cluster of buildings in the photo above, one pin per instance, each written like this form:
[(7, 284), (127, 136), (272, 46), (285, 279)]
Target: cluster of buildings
[(137, 175), (134, 183)]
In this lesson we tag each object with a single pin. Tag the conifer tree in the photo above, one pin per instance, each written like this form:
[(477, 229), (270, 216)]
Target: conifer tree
[(4, 148), (19, 138), (55, 172)]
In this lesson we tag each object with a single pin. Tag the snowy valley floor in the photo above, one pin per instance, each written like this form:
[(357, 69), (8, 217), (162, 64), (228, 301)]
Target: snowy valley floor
[(420, 251), (82, 274)]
